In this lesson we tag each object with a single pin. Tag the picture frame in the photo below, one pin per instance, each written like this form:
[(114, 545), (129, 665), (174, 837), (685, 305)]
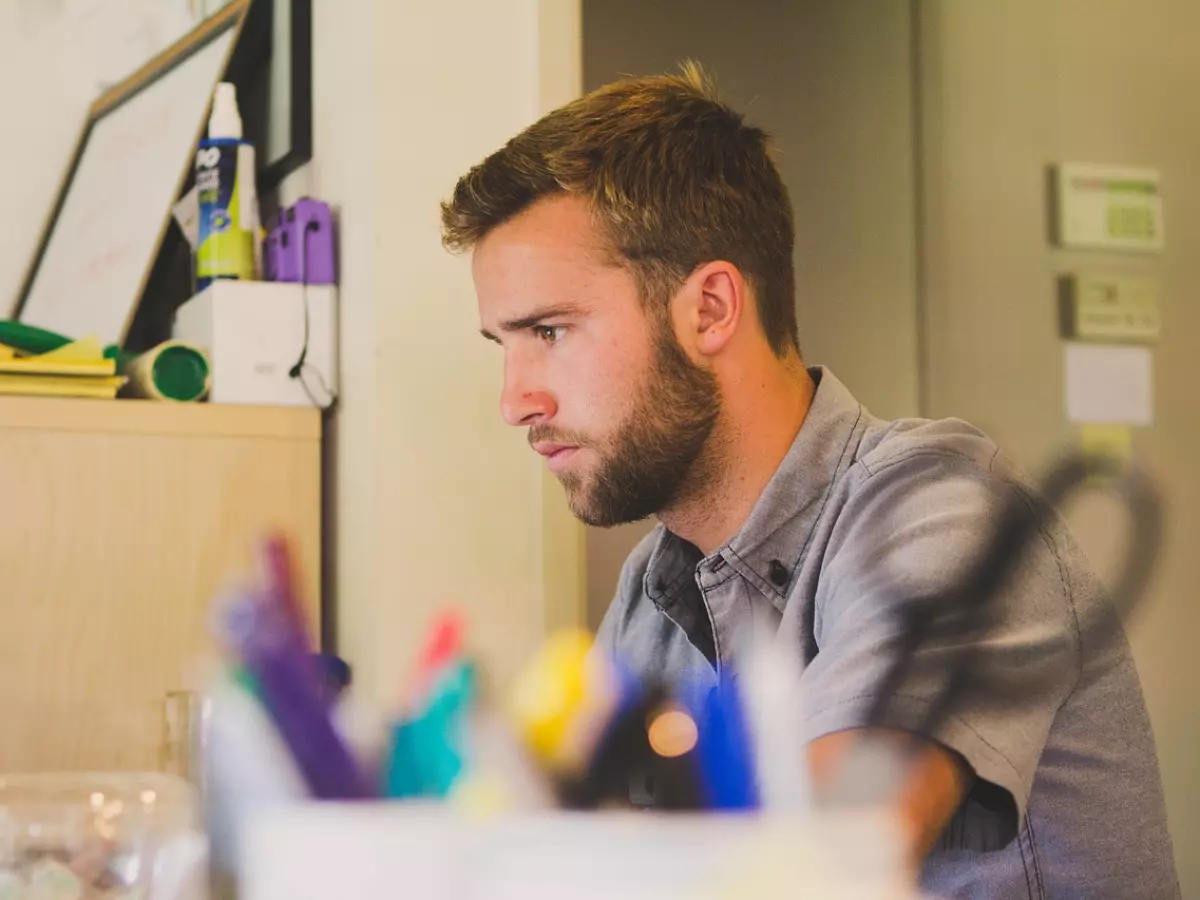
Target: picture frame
[(287, 143)]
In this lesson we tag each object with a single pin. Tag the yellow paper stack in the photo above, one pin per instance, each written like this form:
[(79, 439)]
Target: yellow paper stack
[(77, 369)]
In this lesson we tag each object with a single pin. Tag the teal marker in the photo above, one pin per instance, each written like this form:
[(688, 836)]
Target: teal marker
[(428, 752)]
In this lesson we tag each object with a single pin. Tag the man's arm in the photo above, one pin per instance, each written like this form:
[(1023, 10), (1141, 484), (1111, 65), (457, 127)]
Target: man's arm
[(937, 781), (909, 532)]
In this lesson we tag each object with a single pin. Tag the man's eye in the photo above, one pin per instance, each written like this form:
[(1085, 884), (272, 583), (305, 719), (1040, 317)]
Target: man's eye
[(551, 334)]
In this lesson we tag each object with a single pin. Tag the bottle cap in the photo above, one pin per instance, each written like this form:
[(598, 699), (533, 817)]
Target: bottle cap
[(225, 121)]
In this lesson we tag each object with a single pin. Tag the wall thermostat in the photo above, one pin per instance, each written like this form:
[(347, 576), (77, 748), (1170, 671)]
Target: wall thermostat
[(1110, 308), (1107, 208)]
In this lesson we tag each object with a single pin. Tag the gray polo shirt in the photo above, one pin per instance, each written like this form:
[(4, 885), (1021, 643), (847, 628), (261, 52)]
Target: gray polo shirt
[(1067, 800)]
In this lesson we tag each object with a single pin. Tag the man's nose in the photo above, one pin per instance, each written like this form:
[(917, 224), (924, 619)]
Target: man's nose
[(522, 403)]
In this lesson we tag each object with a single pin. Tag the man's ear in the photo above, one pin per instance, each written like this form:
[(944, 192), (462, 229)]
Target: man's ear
[(710, 307)]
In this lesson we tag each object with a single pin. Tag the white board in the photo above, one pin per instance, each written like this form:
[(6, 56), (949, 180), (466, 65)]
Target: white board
[(108, 40), (90, 276)]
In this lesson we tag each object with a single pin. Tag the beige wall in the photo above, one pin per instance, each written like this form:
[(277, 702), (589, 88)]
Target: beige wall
[(832, 82), (435, 500), (1008, 88)]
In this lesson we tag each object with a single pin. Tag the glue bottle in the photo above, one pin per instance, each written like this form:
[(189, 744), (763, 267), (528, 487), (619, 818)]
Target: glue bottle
[(228, 202)]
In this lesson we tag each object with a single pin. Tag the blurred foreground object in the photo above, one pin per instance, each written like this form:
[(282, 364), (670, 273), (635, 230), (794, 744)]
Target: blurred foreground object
[(424, 851), (959, 615), (100, 837)]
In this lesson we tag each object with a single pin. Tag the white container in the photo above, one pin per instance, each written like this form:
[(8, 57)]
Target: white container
[(254, 333), (316, 851)]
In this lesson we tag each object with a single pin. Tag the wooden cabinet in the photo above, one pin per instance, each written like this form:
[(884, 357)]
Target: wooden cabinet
[(119, 520)]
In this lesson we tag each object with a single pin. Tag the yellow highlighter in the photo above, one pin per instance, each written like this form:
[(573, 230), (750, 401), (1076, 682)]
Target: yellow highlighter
[(562, 700)]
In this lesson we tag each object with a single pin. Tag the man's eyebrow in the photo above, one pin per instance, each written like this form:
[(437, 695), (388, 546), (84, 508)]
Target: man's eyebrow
[(535, 318)]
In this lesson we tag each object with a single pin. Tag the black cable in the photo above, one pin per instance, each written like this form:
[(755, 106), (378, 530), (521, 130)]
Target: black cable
[(301, 366), (955, 619), (959, 615)]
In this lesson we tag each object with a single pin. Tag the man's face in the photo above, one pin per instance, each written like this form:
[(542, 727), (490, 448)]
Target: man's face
[(612, 401)]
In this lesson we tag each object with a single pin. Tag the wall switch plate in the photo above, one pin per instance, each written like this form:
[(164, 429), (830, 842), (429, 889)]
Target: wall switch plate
[(1110, 309), (1106, 208)]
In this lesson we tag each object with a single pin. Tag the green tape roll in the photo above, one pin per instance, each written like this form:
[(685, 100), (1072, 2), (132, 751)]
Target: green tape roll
[(171, 371)]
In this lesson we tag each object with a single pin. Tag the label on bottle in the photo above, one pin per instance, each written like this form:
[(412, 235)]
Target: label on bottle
[(226, 245)]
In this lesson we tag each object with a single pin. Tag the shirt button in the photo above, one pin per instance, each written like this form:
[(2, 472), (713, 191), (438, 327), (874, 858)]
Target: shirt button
[(779, 573)]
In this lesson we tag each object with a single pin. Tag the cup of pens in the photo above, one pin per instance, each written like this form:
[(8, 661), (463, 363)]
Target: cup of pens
[(574, 735), (574, 731)]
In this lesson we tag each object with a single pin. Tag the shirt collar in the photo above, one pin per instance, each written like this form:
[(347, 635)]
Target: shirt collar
[(769, 546)]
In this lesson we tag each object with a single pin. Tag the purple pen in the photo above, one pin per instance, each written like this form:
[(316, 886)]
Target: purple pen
[(261, 632)]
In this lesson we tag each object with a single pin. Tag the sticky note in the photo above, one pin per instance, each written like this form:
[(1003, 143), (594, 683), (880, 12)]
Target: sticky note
[(1107, 440), (1109, 385)]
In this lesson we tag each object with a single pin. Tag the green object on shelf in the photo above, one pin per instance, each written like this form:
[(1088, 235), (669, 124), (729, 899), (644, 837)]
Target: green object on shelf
[(122, 357), (29, 339), (181, 373), (171, 371)]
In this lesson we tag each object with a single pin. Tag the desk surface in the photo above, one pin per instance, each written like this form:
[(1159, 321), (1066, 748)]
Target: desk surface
[(156, 417)]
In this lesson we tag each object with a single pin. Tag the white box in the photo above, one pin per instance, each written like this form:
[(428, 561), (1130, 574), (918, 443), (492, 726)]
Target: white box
[(254, 334)]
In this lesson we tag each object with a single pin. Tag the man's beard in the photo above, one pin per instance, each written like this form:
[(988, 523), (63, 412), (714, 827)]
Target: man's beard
[(653, 461)]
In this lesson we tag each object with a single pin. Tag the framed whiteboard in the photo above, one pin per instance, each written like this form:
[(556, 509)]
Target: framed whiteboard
[(108, 40), (130, 165)]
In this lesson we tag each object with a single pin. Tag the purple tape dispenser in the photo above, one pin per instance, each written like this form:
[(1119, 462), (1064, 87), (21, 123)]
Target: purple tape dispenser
[(299, 245)]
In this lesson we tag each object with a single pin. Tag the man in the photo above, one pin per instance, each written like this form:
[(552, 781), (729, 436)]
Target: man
[(632, 254)]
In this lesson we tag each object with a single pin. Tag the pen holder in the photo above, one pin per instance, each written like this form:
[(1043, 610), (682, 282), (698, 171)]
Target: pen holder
[(416, 850)]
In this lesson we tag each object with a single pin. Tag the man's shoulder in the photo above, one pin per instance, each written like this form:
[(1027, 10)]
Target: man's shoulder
[(942, 477), (958, 444)]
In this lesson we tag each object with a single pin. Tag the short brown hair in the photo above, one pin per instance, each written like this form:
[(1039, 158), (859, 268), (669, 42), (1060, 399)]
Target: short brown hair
[(677, 178)]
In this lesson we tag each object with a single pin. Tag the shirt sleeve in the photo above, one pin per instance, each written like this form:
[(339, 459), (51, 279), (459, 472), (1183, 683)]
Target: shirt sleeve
[(907, 532)]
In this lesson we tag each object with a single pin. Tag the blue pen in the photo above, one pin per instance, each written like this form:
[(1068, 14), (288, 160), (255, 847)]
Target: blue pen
[(724, 749)]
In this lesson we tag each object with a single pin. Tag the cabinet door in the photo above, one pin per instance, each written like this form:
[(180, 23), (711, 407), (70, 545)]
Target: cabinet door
[(112, 545)]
